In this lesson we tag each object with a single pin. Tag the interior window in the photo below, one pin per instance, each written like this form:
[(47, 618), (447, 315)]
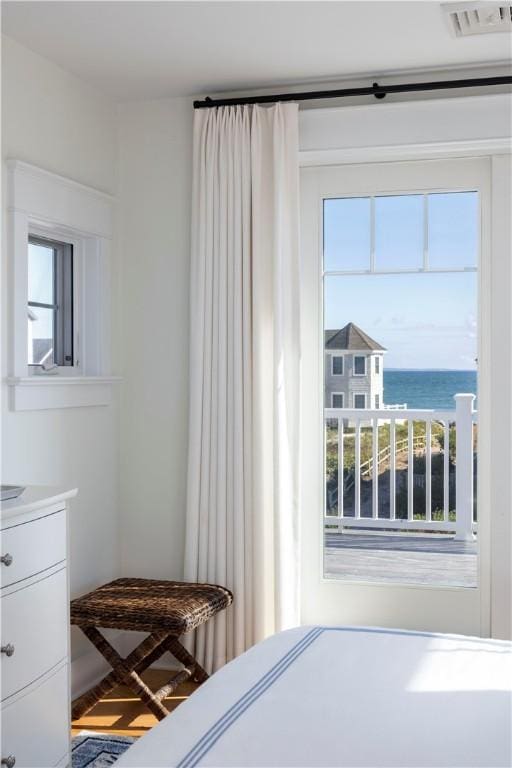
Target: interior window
[(50, 303)]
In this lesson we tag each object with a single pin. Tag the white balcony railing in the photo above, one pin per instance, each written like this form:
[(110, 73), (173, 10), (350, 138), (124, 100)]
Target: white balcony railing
[(380, 469)]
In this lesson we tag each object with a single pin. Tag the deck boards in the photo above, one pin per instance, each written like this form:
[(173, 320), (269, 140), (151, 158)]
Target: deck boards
[(434, 560)]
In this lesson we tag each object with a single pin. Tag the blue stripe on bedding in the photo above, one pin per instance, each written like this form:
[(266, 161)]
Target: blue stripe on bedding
[(213, 734)]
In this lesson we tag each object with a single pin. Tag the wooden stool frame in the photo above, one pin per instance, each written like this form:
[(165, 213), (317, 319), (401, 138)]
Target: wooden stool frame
[(127, 671)]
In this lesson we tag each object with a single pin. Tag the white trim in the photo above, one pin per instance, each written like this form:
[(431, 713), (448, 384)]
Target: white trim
[(495, 348), (359, 394), (41, 380), (395, 153), (365, 357), (48, 205), (342, 357), (58, 200), (339, 394), (43, 392), (458, 126)]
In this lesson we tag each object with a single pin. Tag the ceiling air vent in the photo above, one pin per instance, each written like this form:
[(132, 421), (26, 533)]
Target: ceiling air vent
[(479, 18)]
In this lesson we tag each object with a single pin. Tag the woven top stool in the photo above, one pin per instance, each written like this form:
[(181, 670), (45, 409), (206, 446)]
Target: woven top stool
[(164, 609)]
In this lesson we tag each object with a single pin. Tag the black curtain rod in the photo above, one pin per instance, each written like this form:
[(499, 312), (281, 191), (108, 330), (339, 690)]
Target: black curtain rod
[(379, 91)]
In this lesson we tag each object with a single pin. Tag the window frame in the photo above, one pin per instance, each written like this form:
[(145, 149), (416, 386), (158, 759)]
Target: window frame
[(44, 204), (430, 142), (63, 301), (339, 357), (57, 234), (337, 394), (364, 357), (359, 394)]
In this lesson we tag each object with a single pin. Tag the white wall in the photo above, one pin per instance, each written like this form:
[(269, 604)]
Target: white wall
[(155, 161), (53, 120)]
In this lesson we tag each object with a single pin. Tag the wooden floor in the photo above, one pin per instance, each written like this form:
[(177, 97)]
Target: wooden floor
[(121, 712), (432, 559)]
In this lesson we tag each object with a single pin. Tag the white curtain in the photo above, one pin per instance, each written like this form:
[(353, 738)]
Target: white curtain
[(242, 510)]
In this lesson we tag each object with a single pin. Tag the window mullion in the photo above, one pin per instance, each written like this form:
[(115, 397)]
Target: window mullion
[(58, 355), (425, 233), (372, 234), (67, 305)]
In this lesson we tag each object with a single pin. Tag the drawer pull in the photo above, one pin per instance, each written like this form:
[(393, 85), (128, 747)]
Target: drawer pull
[(6, 559), (10, 761), (8, 650)]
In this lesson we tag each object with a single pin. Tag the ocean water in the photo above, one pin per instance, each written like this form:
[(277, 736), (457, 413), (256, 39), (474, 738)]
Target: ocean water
[(427, 389)]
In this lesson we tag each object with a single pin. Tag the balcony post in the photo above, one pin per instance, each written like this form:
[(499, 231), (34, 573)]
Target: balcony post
[(464, 466)]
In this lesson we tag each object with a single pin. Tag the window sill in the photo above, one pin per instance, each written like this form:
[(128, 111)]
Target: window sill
[(39, 392)]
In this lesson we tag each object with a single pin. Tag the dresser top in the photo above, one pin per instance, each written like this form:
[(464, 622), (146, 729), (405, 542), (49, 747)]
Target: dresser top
[(33, 498)]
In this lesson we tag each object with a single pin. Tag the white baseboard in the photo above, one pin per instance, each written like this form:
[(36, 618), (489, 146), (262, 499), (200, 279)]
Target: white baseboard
[(86, 671)]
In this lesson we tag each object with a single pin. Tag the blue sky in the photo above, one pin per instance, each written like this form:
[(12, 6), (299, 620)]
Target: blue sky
[(425, 320)]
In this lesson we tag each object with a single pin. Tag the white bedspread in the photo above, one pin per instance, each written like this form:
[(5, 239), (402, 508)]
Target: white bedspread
[(345, 696)]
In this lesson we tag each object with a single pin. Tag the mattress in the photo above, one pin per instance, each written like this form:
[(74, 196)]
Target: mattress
[(344, 696)]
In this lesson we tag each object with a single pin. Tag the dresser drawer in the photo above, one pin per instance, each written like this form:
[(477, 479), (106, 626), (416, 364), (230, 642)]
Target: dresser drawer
[(35, 728), (33, 547), (35, 622)]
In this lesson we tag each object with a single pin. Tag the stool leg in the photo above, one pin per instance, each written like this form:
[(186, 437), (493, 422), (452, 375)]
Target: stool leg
[(139, 659), (127, 674), (186, 658)]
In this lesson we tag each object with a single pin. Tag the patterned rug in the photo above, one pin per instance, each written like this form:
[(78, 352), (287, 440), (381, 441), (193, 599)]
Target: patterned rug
[(98, 750)]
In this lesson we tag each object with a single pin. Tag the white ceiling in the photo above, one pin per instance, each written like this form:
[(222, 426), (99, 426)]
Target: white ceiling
[(140, 50)]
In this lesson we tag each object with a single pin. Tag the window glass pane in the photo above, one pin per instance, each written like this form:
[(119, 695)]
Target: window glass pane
[(453, 230), (399, 232), (360, 365), (40, 336), (359, 401), (337, 401), (337, 365), (377, 364), (40, 274), (347, 233)]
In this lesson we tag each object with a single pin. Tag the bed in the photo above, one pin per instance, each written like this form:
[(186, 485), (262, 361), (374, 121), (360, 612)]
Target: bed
[(344, 696)]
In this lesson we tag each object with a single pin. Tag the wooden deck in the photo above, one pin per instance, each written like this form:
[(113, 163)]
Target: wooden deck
[(431, 559)]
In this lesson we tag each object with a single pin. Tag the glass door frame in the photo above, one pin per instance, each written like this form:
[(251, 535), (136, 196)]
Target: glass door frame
[(446, 609)]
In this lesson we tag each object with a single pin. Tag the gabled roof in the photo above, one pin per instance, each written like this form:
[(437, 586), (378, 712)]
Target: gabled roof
[(351, 337)]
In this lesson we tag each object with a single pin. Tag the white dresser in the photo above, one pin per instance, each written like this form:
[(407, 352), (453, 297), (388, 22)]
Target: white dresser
[(35, 727)]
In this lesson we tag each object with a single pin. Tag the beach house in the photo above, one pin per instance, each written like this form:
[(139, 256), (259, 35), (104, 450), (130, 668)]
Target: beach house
[(354, 364)]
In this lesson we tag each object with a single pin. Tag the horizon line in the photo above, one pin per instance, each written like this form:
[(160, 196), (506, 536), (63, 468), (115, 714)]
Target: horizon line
[(438, 370)]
